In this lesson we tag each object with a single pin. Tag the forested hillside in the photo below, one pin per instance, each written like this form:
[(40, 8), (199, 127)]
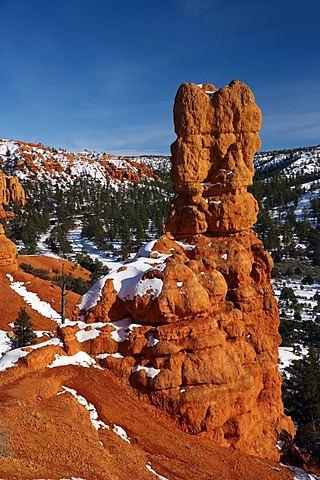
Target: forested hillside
[(117, 220), (119, 201), (287, 186)]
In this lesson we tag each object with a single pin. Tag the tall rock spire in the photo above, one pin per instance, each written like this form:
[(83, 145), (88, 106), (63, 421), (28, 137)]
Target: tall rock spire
[(193, 324), (212, 159)]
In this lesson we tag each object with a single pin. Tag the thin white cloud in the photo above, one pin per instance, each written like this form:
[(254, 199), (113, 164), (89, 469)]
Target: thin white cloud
[(135, 140), (302, 126)]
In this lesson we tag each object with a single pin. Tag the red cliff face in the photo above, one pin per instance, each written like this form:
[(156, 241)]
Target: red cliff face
[(8, 253), (194, 322), (11, 191)]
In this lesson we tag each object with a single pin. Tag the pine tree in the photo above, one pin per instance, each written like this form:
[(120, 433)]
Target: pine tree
[(301, 396), (23, 329)]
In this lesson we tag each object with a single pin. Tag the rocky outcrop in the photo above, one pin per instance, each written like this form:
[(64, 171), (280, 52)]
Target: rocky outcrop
[(53, 165), (193, 324), (8, 253), (11, 192), (212, 159)]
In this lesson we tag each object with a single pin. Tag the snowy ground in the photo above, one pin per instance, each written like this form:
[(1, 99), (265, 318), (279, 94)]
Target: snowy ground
[(32, 299), (78, 244), (287, 355), (300, 474), (304, 294), (42, 247)]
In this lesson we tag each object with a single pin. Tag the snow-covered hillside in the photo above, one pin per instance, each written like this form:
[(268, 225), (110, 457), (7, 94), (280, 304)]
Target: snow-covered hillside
[(290, 162), (27, 161)]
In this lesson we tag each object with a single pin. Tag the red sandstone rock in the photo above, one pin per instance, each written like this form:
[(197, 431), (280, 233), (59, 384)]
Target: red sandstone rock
[(11, 191), (8, 253), (212, 157), (206, 350)]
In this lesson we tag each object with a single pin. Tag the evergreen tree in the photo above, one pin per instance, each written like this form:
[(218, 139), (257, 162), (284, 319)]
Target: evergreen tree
[(23, 329), (301, 396)]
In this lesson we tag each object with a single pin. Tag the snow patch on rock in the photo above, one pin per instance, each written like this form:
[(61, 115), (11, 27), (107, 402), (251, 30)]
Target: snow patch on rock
[(131, 279), (151, 371), (81, 359), (123, 328)]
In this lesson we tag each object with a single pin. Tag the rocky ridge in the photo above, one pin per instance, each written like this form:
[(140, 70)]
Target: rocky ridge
[(52, 402), (193, 324), (46, 164), (78, 421)]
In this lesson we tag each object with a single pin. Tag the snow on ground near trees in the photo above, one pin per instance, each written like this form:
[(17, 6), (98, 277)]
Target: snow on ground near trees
[(9, 359), (128, 281), (5, 343), (9, 146), (304, 203), (302, 162), (42, 247), (300, 474), (78, 244), (287, 356), (303, 209), (304, 293), (34, 301)]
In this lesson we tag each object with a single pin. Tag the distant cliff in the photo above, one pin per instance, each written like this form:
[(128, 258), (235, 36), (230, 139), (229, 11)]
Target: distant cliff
[(11, 192), (36, 161)]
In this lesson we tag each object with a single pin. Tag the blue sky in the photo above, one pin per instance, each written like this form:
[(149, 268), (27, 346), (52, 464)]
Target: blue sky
[(102, 74)]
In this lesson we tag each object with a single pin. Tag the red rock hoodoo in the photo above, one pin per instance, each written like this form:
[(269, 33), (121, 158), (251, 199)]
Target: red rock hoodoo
[(8, 253), (212, 159), (11, 191), (192, 322)]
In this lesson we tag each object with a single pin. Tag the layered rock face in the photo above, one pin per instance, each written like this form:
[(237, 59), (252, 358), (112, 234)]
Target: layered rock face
[(11, 191), (212, 159), (8, 253), (193, 323)]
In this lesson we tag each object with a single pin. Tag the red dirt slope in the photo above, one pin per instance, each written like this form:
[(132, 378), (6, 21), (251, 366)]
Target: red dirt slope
[(45, 435), (11, 302)]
